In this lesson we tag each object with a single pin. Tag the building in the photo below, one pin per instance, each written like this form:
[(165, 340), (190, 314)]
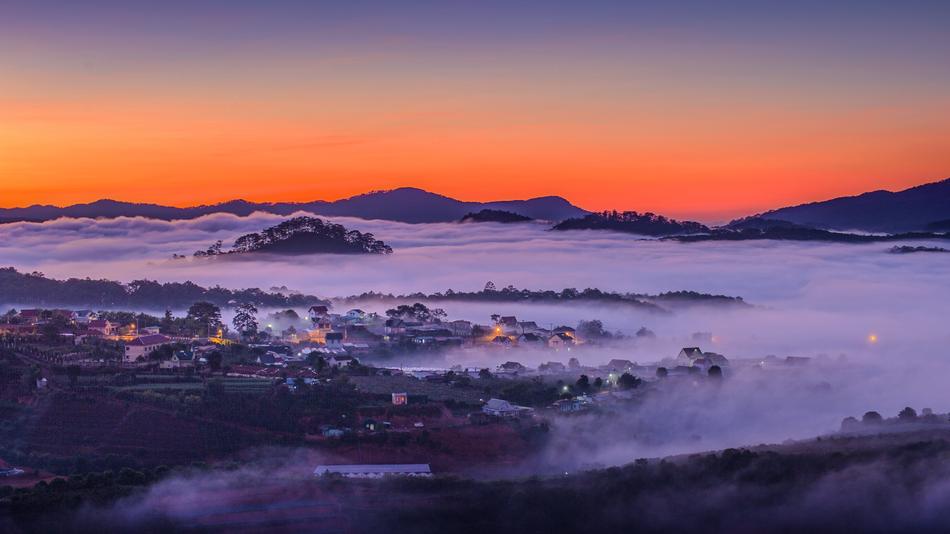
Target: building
[(374, 470), (84, 316), (316, 313), (560, 340), (400, 399), (511, 367), (140, 347), (503, 408), (552, 367), (181, 358), (103, 326), (355, 314), (687, 355), (340, 361)]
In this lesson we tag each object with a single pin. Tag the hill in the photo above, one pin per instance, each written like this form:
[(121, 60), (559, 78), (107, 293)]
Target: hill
[(406, 204), (633, 223), (877, 211), (303, 235), (499, 216)]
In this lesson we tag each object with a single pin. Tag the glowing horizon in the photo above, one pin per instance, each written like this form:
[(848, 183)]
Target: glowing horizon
[(695, 112)]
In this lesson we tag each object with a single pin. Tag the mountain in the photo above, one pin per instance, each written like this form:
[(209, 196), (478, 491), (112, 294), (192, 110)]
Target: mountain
[(877, 211), (406, 204)]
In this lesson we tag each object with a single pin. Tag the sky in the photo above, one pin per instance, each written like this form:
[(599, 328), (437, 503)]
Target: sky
[(691, 109)]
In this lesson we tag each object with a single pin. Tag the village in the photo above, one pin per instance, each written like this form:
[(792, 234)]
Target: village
[(317, 379)]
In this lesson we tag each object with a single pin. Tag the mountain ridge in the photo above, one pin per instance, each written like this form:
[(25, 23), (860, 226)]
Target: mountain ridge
[(906, 210), (404, 204)]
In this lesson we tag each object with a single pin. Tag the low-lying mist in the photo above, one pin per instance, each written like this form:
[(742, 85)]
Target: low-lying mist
[(808, 299)]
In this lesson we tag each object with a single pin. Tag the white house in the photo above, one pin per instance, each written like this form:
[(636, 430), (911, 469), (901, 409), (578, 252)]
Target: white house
[(503, 408), (181, 358), (339, 360), (142, 346)]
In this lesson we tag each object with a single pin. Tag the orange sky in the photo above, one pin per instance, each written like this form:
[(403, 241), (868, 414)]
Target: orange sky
[(705, 128)]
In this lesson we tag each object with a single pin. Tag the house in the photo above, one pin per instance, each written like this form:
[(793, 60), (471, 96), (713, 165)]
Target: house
[(334, 340), (560, 340), (269, 358), (31, 316), (317, 313), (374, 470), (102, 326), (511, 367), (687, 355), (619, 365), (552, 367), (355, 314), (565, 330), (394, 327), (717, 359), (339, 360), (400, 399), (84, 316), (180, 358), (140, 347), (360, 334), (460, 328), (528, 327), (501, 340), (150, 330), (503, 408), (576, 404)]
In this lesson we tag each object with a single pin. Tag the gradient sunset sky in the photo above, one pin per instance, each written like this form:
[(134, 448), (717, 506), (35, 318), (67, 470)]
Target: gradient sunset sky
[(704, 110)]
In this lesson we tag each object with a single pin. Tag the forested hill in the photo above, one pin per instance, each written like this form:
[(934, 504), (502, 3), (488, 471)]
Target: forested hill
[(632, 222), (36, 289), (304, 235)]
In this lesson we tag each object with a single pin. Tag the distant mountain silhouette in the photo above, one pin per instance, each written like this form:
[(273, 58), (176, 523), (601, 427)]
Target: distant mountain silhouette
[(406, 204), (878, 211)]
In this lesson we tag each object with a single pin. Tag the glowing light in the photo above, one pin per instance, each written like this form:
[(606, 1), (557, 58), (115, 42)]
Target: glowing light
[(872, 338)]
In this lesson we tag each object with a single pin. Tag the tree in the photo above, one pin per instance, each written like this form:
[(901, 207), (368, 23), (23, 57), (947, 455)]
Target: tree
[(598, 382), (661, 372), (204, 315), (214, 360), (168, 323), (628, 381), (645, 332), (416, 312), (245, 319), (592, 330), (583, 383), (907, 414), (490, 287), (872, 418), (715, 372), (72, 372), (484, 374)]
